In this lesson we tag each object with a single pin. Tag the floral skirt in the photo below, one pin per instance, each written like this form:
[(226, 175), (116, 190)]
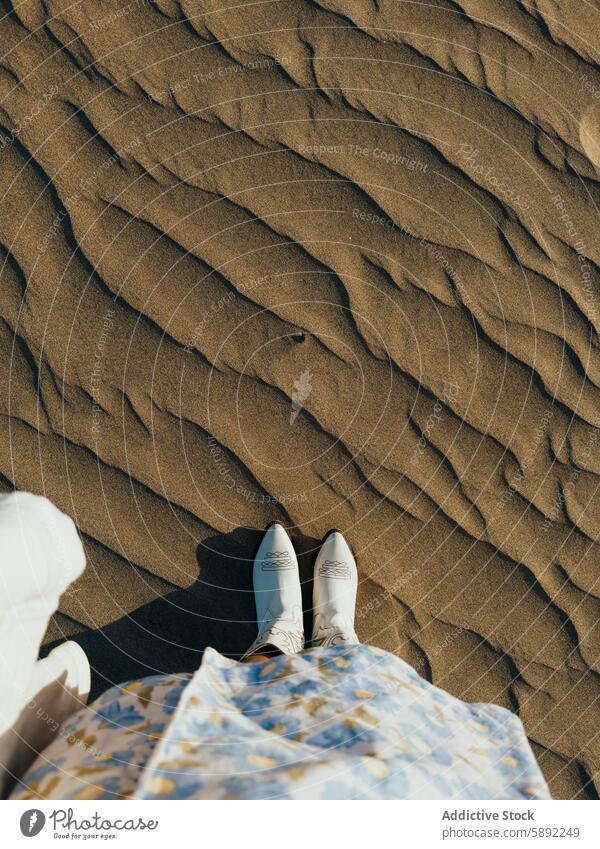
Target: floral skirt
[(338, 723)]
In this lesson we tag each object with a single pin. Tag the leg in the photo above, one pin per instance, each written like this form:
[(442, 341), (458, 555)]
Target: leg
[(265, 653), (258, 658)]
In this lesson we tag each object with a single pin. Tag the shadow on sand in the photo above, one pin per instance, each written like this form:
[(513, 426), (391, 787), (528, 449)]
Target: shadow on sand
[(169, 635)]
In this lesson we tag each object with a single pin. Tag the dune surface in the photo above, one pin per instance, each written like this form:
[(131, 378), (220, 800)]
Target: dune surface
[(331, 263)]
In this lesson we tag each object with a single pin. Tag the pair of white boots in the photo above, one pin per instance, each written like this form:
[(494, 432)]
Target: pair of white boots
[(40, 555), (278, 594)]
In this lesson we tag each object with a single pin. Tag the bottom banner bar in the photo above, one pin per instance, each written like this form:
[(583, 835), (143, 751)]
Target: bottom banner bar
[(295, 824)]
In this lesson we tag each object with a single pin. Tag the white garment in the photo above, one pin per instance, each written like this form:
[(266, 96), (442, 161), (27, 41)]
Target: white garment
[(40, 555)]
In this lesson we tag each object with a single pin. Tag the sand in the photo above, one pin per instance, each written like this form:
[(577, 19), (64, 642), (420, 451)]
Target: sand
[(331, 263)]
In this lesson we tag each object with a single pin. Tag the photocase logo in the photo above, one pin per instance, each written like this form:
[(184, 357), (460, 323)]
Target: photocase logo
[(302, 389), (32, 822)]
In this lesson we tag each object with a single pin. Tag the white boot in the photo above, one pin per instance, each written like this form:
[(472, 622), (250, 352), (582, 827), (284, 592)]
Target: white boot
[(335, 583), (277, 594)]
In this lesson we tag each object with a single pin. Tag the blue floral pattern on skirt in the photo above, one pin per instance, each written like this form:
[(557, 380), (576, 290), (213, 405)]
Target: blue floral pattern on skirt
[(338, 723)]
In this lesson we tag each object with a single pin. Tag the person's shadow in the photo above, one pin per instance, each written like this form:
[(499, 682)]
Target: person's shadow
[(170, 634)]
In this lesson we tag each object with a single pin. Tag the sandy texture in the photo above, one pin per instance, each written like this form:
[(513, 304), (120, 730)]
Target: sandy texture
[(334, 263)]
